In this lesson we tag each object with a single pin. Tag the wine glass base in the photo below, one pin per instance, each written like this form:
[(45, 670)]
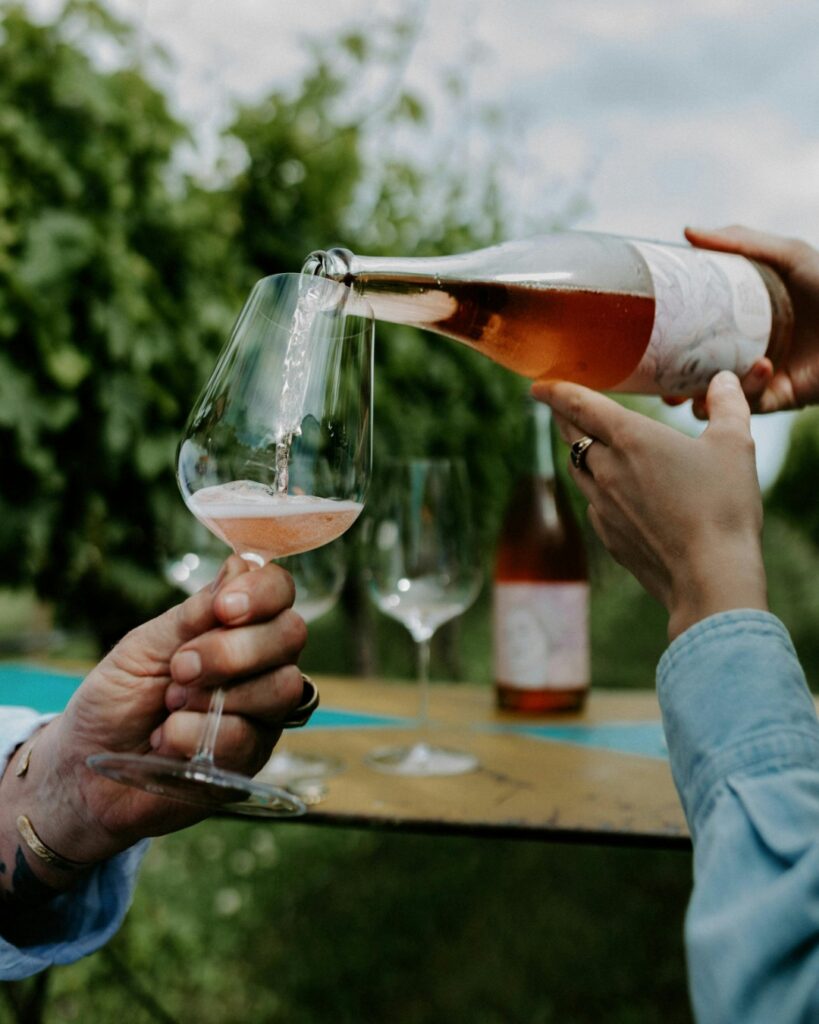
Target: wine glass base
[(421, 759), (285, 767), (201, 784)]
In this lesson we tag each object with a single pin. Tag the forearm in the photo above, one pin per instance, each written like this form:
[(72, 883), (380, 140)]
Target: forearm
[(717, 576), (46, 843), (50, 915), (731, 690), (743, 739)]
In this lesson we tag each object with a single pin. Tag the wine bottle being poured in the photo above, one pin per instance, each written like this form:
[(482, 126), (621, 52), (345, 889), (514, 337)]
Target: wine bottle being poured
[(610, 312)]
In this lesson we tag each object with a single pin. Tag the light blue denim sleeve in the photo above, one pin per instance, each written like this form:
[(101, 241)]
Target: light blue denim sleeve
[(743, 739), (77, 922)]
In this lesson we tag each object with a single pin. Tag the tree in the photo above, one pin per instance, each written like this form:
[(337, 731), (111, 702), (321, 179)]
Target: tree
[(793, 495), (119, 280), (322, 171), (110, 299)]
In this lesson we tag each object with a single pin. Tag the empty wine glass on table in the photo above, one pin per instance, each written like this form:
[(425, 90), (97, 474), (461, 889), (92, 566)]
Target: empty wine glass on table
[(319, 576), (274, 460), (193, 560), (423, 571)]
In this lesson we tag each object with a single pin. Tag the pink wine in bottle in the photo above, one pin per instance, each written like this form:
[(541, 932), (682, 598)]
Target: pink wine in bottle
[(609, 312)]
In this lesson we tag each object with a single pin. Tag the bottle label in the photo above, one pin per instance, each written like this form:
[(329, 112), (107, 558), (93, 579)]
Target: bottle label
[(712, 312), (541, 635)]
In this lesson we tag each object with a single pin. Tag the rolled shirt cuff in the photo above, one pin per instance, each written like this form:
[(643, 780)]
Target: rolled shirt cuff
[(734, 700), (81, 920)]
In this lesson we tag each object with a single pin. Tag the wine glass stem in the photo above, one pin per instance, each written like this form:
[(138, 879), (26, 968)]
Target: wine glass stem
[(204, 752), (423, 683), (207, 743)]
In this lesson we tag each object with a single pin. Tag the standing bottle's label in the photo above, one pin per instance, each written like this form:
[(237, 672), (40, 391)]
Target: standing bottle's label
[(712, 312), (541, 635)]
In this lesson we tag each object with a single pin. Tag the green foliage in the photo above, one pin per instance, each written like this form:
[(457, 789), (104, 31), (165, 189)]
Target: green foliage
[(119, 280), (301, 173), (792, 562), (314, 179), (791, 541), (108, 283), (793, 495)]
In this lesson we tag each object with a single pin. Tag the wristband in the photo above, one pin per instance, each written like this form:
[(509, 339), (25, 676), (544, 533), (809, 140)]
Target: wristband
[(43, 852), (25, 758)]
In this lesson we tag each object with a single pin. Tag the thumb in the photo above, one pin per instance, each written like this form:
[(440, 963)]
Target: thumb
[(726, 405), (196, 615), (162, 636)]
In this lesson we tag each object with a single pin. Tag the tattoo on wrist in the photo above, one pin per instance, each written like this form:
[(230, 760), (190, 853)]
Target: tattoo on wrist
[(26, 888)]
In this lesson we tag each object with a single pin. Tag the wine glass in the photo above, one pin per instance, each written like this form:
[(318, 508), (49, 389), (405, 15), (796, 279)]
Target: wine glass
[(319, 576), (193, 560), (274, 460), (424, 570)]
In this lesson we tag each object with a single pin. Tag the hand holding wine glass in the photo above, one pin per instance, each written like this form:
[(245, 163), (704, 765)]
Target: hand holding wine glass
[(134, 702), (274, 461), (424, 570)]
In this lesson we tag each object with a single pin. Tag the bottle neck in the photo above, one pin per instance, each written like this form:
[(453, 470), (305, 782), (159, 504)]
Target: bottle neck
[(383, 273), (402, 290), (333, 263)]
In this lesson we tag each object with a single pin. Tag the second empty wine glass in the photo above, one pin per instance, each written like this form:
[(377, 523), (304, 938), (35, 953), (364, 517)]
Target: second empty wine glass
[(424, 569), (319, 577)]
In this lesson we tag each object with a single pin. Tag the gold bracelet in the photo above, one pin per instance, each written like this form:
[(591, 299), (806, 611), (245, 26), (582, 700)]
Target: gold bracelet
[(39, 848), (25, 758)]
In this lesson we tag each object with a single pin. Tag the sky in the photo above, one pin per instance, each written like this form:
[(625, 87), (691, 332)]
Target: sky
[(657, 113)]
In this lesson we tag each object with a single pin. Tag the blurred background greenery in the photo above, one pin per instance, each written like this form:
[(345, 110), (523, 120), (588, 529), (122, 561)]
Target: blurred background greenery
[(119, 280), (120, 277)]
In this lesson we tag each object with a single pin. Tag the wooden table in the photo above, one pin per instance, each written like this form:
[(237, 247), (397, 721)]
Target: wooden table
[(600, 776)]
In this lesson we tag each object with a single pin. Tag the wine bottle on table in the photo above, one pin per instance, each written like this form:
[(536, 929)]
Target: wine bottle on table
[(541, 588), (613, 313)]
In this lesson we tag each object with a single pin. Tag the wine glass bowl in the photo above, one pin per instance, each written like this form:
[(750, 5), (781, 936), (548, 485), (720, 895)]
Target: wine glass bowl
[(274, 461), (278, 465), (423, 571)]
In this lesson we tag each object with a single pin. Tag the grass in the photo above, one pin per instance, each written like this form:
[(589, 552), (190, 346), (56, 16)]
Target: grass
[(291, 923)]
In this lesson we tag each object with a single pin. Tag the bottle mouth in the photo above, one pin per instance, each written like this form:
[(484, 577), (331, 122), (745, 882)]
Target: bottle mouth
[(332, 263)]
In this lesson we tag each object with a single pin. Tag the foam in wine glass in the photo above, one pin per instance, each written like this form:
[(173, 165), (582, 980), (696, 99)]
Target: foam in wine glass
[(255, 521)]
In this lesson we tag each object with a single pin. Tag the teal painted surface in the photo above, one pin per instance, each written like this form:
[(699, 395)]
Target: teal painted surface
[(40, 688), (47, 690), (643, 739)]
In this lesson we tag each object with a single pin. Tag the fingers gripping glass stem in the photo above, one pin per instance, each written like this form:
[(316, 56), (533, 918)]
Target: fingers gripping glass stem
[(205, 752)]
